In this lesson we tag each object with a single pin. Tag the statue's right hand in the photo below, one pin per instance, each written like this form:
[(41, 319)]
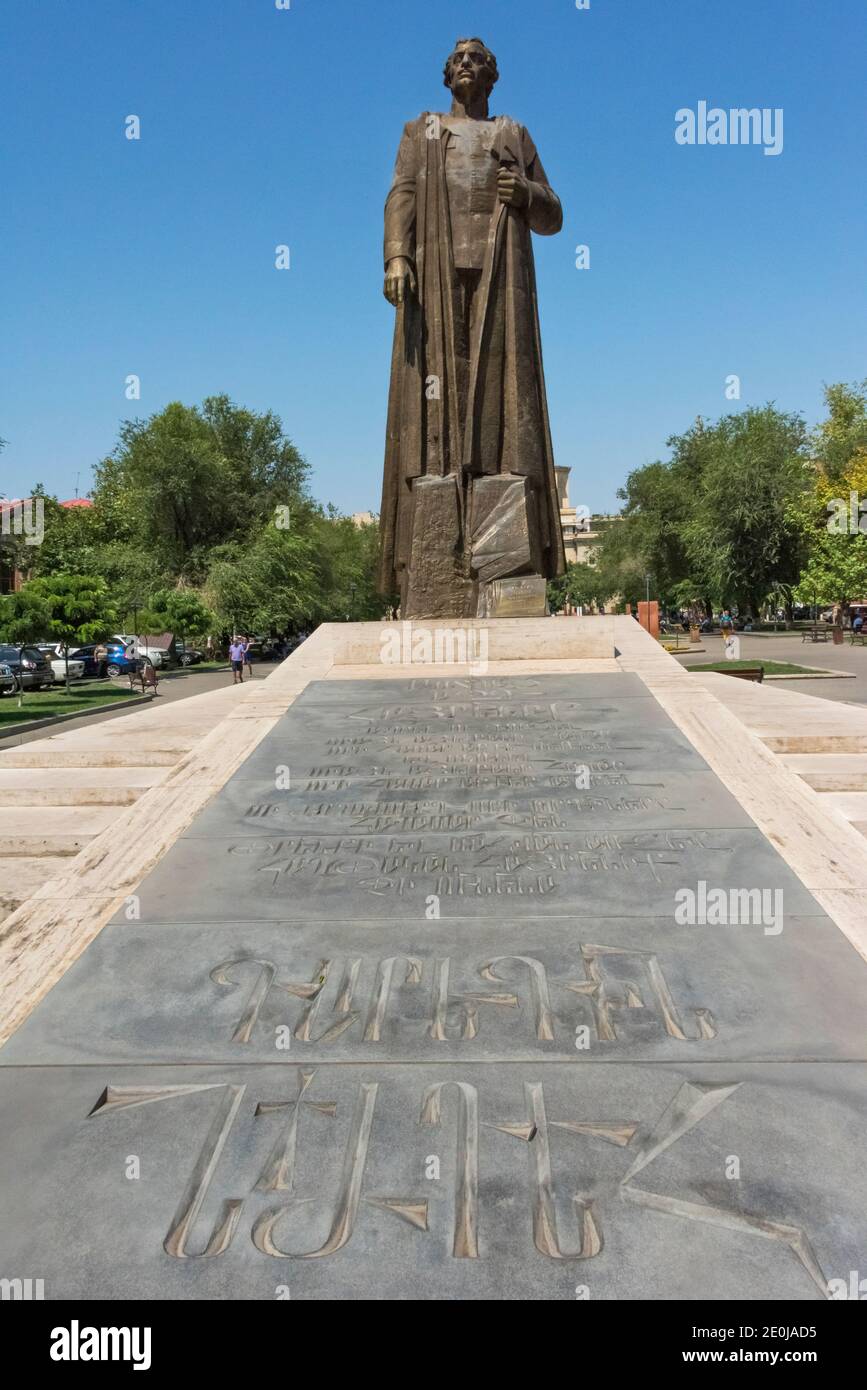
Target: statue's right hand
[(400, 280)]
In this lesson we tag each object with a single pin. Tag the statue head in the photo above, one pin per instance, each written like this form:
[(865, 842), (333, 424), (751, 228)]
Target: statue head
[(470, 70)]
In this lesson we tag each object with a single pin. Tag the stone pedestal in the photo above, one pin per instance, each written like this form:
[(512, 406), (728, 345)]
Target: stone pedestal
[(648, 616)]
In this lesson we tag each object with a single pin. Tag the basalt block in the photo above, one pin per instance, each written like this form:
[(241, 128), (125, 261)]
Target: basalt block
[(436, 585)]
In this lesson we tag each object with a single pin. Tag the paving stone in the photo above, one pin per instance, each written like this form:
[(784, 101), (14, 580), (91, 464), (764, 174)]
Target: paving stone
[(541, 1181), (565, 799), (579, 989), (479, 874)]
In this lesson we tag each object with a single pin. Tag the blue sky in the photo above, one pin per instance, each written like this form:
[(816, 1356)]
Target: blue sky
[(262, 126)]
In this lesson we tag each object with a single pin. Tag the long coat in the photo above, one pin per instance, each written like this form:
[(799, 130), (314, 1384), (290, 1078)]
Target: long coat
[(497, 420)]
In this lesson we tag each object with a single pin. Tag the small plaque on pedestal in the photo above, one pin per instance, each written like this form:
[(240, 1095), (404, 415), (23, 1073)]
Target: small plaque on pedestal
[(522, 596)]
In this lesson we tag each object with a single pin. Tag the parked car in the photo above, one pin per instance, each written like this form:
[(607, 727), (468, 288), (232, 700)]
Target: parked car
[(158, 655), (28, 665), (53, 654), (188, 656), (117, 663), (7, 679)]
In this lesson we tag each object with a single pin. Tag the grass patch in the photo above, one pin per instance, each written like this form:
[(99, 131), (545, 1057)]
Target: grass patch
[(772, 668), (47, 704)]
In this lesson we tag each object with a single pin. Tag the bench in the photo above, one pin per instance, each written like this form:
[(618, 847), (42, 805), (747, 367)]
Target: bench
[(746, 673), (820, 633)]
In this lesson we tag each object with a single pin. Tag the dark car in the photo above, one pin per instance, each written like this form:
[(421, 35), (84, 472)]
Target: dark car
[(28, 666), (114, 663), (188, 656)]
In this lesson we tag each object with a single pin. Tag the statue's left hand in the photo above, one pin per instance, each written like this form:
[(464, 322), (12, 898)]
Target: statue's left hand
[(512, 188)]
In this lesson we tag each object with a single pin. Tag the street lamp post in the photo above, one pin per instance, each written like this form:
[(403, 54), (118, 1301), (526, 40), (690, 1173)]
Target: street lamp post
[(136, 605)]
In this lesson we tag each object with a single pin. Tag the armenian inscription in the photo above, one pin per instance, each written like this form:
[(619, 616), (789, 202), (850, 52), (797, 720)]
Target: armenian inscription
[(354, 994), (287, 1141)]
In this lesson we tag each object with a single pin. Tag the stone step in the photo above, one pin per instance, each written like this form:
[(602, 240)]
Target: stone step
[(21, 876), (45, 830), (830, 772), (852, 805), (47, 845), (69, 796), (107, 777), (37, 755), (815, 743)]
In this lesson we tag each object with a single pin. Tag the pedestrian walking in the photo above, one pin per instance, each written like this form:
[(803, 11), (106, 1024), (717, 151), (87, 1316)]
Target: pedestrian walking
[(236, 656), (248, 659)]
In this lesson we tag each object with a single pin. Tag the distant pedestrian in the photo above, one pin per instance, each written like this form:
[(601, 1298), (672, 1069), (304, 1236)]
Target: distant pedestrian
[(236, 656), (248, 659), (858, 621)]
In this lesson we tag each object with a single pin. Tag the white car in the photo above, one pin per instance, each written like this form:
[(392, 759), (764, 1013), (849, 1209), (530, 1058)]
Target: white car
[(54, 656), (158, 655)]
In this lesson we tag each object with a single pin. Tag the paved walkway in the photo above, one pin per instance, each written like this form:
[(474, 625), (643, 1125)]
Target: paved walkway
[(790, 648), (180, 686)]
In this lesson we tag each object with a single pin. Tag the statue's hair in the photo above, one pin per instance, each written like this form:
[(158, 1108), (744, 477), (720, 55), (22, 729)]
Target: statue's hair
[(491, 64)]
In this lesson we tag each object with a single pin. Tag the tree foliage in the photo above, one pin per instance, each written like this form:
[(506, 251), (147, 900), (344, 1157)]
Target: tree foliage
[(201, 521), (717, 524)]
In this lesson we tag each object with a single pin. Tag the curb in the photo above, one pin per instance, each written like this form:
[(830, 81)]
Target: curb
[(815, 673)]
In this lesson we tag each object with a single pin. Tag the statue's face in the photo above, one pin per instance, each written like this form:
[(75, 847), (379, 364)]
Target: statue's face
[(469, 72)]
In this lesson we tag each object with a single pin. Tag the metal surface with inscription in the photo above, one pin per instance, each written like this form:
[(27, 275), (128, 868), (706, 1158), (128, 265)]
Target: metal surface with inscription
[(409, 1013)]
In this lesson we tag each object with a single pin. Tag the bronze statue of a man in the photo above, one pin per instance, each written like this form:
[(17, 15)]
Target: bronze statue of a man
[(470, 517)]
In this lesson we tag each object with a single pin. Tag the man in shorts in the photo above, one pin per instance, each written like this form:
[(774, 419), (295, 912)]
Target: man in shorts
[(236, 656)]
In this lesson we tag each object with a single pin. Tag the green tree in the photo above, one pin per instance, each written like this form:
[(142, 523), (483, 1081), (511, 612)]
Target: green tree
[(650, 538), (24, 618), (191, 479), (834, 528), (269, 584), (582, 586), (77, 607), (345, 556), (718, 523), (183, 612), (742, 529)]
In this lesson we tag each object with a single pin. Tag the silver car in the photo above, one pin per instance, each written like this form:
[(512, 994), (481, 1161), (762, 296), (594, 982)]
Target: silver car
[(7, 680)]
